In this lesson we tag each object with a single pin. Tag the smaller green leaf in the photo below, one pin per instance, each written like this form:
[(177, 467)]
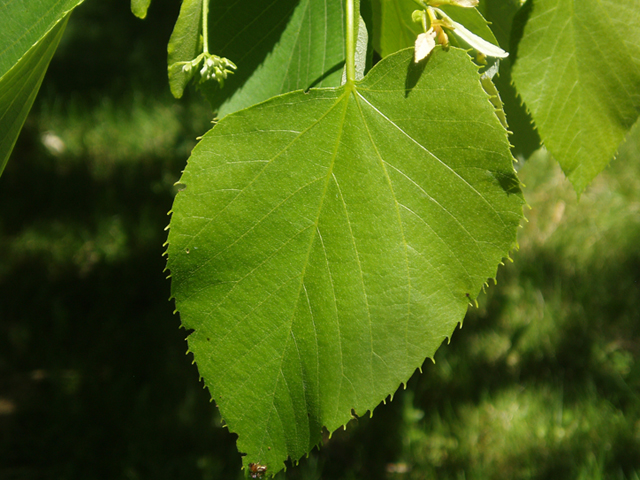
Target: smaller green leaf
[(139, 7), (20, 85), (185, 44), (277, 46), (578, 71)]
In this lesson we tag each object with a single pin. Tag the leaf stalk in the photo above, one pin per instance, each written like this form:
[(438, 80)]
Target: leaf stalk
[(205, 26), (351, 41)]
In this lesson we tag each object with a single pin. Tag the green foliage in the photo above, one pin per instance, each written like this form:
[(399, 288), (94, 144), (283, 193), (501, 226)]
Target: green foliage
[(578, 71), (317, 260), (328, 239), (559, 333)]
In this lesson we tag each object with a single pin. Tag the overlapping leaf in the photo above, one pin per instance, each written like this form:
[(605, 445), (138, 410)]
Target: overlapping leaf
[(501, 14), (326, 243), (578, 70), (30, 33)]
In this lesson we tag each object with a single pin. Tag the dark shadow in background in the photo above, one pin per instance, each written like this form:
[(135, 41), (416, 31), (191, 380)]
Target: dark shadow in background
[(94, 379)]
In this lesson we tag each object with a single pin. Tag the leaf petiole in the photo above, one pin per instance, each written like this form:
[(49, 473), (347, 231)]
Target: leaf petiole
[(351, 33), (205, 26)]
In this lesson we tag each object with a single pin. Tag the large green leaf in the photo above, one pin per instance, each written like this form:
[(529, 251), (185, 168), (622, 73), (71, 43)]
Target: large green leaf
[(578, 71), (326, 242), (29, 37), (278, 47)]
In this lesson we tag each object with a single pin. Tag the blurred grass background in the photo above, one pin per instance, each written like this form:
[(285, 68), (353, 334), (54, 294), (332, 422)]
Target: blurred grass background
[(542, 382)]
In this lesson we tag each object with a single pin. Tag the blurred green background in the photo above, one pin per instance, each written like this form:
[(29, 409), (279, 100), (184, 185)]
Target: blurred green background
[(543, 381)]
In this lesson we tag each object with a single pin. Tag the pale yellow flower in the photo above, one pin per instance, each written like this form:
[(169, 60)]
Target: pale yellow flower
[(457, 3), (425, 43)]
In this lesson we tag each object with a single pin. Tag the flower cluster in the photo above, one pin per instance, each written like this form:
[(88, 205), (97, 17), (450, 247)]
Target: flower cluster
[(209, 66), (436, 24)]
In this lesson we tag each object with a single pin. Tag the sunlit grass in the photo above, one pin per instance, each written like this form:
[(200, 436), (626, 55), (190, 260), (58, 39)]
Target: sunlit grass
[(112, 133)]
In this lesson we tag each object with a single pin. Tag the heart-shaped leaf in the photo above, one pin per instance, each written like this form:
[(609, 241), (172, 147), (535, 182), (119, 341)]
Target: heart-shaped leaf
[(578, 71), (327, 242)]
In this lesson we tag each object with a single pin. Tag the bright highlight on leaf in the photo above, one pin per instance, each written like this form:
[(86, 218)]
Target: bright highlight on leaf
[(327, 242)]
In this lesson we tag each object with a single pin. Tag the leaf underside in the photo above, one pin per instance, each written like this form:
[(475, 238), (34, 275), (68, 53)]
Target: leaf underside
[(327, 242), (578, 71)]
